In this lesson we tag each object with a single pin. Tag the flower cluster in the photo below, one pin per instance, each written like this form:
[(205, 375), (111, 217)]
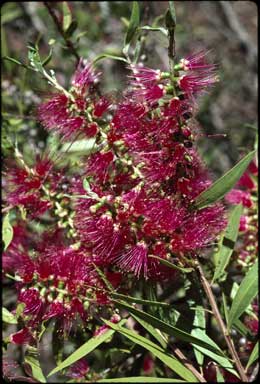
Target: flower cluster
[(76, 111), (133, 199), (145, 177)]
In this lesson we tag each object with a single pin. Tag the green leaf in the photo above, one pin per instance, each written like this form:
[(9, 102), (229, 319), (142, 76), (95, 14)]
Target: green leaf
[(48, 58), (224, 300), (241, 328), (72, 28), (85, 145), (108, 56), (254, 355), (7, 232), (133, 25), (171, 16), (221, 360), (167, 328), (224, 184), (158, 29), (31, 358), (245, 294), (8, 317), (199, 326), (82, 351), (141, 379), (199, 322), (153, 331), (156, 350), (137, 300), (227, 243), (15, 61), (171, 265), (103, 277), (220, 378), (34, 58), (67, 18)]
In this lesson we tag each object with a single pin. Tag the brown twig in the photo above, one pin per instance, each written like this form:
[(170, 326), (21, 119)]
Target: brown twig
[(61, 31), (222, 326), (188, 364)]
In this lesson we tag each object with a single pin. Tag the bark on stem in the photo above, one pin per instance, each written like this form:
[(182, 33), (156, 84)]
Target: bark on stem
[(222, 326), (188, 364)]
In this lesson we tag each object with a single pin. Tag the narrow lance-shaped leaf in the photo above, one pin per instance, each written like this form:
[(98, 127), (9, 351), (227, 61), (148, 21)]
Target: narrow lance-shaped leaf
[(227, 243), (7, 232), (245, 294), (8, 317), (153, 331), (141, 379), (82, 351), (109, 56), (133, 25), (199, 322), (32, 359), (167, 328), (198, 331), (171, 265), (137, 300), (254, 355), (67, 18), (156, 350), (224, 184), (156, 29)]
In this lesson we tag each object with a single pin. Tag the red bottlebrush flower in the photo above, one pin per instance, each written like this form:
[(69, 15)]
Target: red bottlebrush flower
[(79, 369), (23, 336), (149, 94), (84, 76), (198, 230), (98, 166), (246, 182), (236, 196), (54, 115), (148, 364), (164, 215), (33, 203), (101, 106), (253, 168), (243, 224), (177, 108), (142, 75), (193, 84), (91, 130), (197, 62), (102, 235), (32, 300), (55, 309), (134, 260), (253, 325)]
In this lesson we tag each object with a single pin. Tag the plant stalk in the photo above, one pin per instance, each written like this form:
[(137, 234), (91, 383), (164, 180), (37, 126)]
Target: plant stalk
[(60, 29), (222, 326), (188, 364)]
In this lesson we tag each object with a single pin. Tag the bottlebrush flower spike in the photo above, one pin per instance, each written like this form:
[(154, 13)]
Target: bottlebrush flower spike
[(150, 93), (198, 230), (197, 62), (54, 115), (84, 76), (194, 84), (142, 75), (79, 369), (134, 260), (24, 336)]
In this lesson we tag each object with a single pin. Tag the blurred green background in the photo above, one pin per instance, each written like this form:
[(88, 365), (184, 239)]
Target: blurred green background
[(227, 28)]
